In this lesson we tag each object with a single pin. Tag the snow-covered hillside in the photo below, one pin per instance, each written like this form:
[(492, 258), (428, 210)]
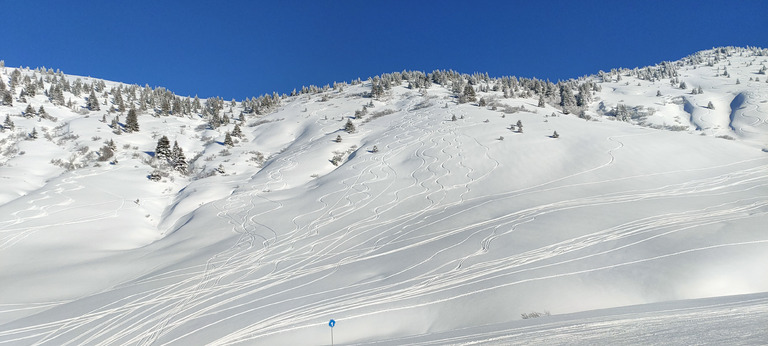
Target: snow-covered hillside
[(411, 208)]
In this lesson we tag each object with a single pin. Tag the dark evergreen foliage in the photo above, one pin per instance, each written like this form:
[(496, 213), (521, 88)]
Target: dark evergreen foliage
[(132, 121), (163, 149), (349, 127)]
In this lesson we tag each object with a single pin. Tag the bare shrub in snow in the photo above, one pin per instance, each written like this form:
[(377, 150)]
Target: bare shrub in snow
[(534, 314)]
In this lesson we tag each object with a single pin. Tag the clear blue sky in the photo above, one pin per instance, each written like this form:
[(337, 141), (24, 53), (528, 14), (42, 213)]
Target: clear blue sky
[(238, 49)]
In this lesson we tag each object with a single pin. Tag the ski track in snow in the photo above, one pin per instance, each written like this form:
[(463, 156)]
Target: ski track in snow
[(683, 325), (265, 264), (272, 277), (54, 202)]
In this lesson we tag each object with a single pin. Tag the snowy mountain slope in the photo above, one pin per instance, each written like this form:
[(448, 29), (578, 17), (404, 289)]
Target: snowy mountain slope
[(449, 224)]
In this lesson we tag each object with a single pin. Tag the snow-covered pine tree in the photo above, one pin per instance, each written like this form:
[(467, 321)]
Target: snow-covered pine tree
[(29, 111), (349, 127), (8, 123), (178, 160), (132, 121), (7, 98), (163, 149), (468, 95), (106, 153), (93, 102), (567, 100), (115, 125), (228, 140), (237, 132)]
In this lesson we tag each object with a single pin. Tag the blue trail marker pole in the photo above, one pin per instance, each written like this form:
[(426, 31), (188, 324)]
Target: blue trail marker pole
[(331, 324)]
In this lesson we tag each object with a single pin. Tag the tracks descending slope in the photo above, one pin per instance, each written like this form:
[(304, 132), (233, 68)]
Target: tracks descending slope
[(394, 236)]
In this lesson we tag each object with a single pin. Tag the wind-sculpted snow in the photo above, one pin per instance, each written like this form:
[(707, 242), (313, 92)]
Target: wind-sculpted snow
[(447, 234)]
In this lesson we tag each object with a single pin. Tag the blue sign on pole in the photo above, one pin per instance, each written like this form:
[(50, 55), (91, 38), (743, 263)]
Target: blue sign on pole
[(331, 323)]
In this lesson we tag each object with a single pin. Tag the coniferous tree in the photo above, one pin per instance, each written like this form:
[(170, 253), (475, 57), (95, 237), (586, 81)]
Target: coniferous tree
[(178, 160), (710, 105), (541, 101), (567, 100), (8, 124), (163, 149), (468, 95), (237, 132), (118, 97), (519, 126), (29, 111), (349, 127), (106, 153), (33, 134), (228, 140), (93, 102), (115, 125), (585, 96), (41, 112), (7, 98), (132, 121), (338, 138)]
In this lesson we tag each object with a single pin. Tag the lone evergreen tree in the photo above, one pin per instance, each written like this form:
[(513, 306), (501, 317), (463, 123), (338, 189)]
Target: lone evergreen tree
[(237, 132), (468, 95), (338, 138), (228, 140), (567, 99), (710, 105), (7, 98), (33, 134), (178, 160), (163, 149), (115, 125), (349, 127), (29, 111), (132, 121), (93, 102), (8, 124), (106, 153), (519, 126)]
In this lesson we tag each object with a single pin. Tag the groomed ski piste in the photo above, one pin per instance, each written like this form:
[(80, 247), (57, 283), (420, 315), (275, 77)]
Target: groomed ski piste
[(439, 222)]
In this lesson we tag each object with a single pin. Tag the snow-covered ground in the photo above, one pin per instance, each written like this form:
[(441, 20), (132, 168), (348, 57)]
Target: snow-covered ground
[(650, 230)]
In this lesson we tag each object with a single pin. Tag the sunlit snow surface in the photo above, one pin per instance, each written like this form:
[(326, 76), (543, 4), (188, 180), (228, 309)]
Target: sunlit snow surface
[(625, 234)]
